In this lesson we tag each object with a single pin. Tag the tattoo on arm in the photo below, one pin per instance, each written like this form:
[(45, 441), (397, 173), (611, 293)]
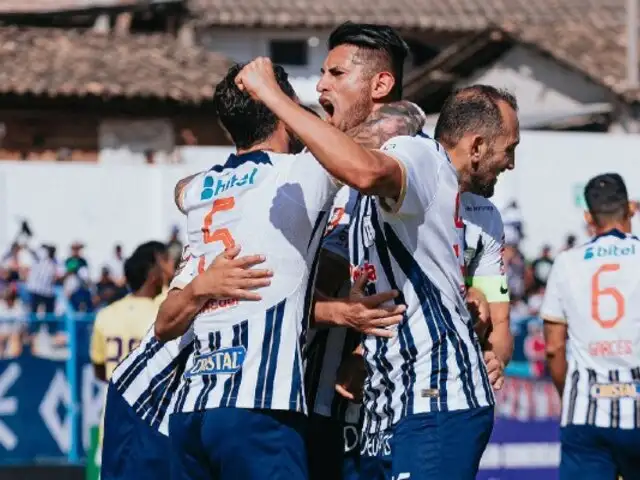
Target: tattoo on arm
[(177, 194), (391, 120)]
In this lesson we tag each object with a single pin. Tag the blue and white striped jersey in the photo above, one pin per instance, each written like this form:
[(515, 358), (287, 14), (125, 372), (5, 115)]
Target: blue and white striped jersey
[(149, 376), (328, 346), (595, 290), (251, 354), (414, 245)]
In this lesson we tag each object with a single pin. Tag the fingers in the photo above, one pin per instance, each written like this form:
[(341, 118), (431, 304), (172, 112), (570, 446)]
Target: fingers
[(248, 261), (380, 332), (255, 274), (250, 283), (231, 253), (245, 295), (499, 383), (383, 312), (378, 298), (494, 376), (344, 392), (386, 321), (360, 283)]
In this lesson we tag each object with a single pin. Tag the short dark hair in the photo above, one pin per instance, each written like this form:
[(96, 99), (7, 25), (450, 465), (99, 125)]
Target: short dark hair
[(472, 109), (607, 198), (248, 121), (382, 46), (138, 266)]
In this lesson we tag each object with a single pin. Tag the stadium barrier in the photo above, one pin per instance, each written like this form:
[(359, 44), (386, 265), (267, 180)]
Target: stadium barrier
[(50, 401)]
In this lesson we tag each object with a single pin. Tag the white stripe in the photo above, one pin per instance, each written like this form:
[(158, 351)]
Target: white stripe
[(521, 455)]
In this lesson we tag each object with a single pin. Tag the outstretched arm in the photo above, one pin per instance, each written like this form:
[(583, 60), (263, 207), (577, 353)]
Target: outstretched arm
[(371, 172)]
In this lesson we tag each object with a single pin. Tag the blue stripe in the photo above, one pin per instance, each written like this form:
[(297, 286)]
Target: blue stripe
[(130, 374), (179, 364), (486, 384), (273, 355), (264, 357), (319, 226), (235, 341), (237, 378), (208, 381), (408, 348), (184, 390), (429, 296)]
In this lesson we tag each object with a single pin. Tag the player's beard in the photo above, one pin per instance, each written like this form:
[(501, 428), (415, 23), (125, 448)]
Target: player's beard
[(483, 180), (356, 113)]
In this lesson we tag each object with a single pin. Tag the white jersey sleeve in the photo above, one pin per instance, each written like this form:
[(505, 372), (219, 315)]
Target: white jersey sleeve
[(185, 272), (552, 309), (484, 243), (419, 158)]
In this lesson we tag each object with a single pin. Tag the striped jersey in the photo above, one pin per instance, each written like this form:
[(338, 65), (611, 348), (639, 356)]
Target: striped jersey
[(251, 354), (328, 346), (150, 376), (595, 290), (483, 247), (414, 245)]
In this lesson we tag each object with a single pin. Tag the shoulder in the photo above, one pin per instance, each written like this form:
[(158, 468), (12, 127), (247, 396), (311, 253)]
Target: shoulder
[(180, 189), (482, 212)]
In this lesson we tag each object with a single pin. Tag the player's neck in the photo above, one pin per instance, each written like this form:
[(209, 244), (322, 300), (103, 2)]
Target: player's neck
[(146, 291), (269, 145), (458, 160), (624, 227)]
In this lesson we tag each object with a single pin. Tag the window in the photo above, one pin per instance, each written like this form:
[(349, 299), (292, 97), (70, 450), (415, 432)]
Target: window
[(289, 52)]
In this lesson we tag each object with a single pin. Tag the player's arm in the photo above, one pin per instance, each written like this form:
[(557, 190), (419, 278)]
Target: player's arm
[(553, 313), (488, 275), (228, 276), (369, 171), (178, 193), (98, 350)]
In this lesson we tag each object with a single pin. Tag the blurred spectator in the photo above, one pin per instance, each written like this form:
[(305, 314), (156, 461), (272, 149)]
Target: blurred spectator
[(115, 266), (14, 265), (77, 290), (512, 219), (515, 266), (12, 322), (541, 267), (42, 278), (107, 289), (11, 307), (75, 261), (570, 242), (149, 157), (174, 245)]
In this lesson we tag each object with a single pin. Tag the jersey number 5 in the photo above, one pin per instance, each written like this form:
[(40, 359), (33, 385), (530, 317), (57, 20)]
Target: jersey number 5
[(221, 234), (597, 293)]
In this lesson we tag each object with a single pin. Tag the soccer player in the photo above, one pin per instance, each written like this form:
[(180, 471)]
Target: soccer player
[(141, 389), (240, 409), (410, 230), (591, 330)]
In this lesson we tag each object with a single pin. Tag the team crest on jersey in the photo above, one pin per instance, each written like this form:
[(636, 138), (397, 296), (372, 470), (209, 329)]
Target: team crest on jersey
[(221, 362)]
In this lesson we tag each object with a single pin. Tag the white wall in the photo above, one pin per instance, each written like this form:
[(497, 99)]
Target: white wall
[(98, 204), (539, 83), (105, 204)]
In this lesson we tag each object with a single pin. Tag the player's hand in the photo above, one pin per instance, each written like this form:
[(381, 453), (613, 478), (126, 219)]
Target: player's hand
[(495, 369), (258, 79), (350, 377), (230, 276), (367, 314)]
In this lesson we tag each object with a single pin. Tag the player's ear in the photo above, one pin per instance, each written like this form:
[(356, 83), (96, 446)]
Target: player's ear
[(477, 148), (382, 85), (588, 218), (633, 208)]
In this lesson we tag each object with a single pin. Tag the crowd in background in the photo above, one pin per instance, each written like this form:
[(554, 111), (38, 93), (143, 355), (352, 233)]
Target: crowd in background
[(36, 283)]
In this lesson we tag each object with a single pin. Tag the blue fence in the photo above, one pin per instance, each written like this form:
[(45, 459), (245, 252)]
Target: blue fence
[(49, 398)]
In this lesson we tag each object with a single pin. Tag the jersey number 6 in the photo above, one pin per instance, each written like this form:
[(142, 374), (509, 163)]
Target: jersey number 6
[(221, 234), (597, 293)]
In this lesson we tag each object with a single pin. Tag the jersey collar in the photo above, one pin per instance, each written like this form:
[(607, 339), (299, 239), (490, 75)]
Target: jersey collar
[(234, 161), (611, 233)]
